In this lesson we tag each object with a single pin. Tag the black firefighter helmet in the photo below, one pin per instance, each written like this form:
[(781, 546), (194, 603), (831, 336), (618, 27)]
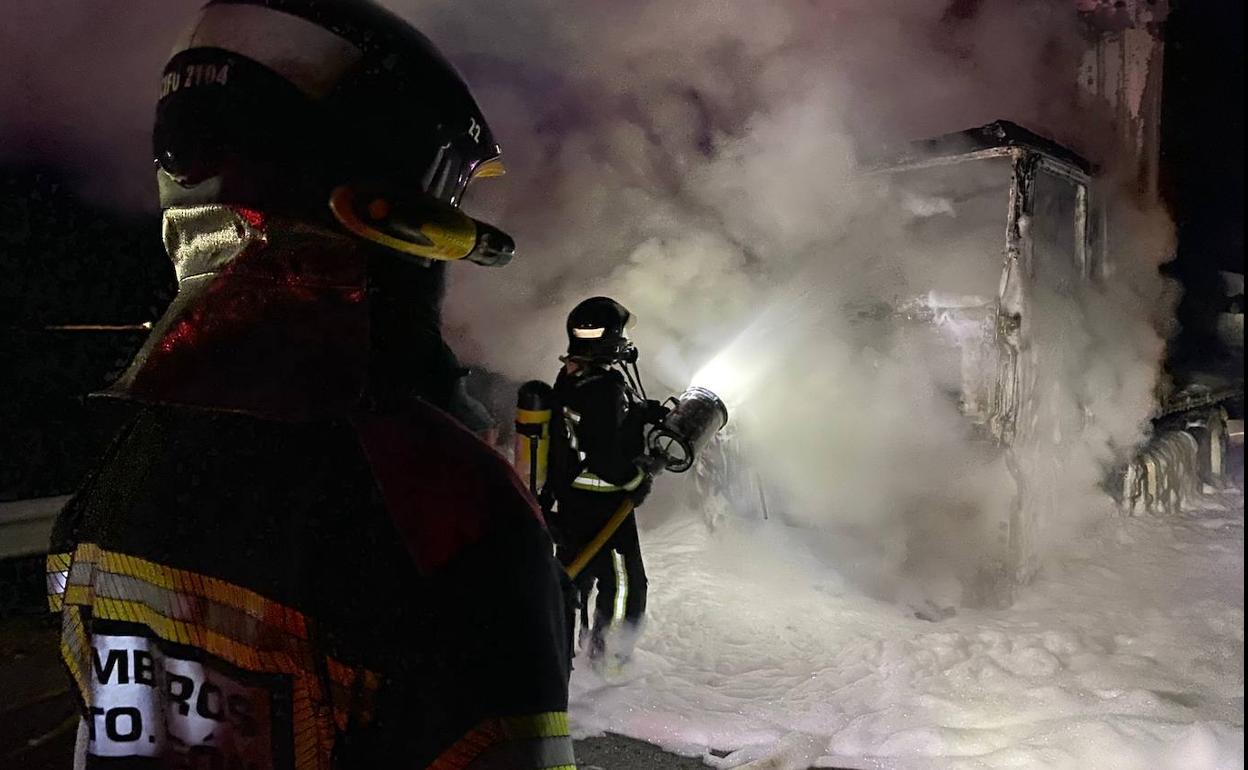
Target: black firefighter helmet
[(597, 331), (329, 110)]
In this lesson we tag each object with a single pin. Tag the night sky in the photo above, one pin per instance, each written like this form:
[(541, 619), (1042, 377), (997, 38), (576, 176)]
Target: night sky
[(1203, 146), (1203, 157)]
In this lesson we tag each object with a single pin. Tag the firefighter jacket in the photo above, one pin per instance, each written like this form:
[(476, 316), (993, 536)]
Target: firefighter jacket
[(601, 433), (239, 589)]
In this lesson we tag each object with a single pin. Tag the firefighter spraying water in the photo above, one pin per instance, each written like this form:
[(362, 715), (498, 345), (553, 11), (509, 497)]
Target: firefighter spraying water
[(590, 448)]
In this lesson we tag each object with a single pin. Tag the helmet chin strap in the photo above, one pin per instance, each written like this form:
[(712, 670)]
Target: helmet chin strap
[(626, 363)]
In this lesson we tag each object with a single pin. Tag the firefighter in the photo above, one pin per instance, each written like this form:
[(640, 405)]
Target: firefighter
[(597, 461), (279, 560)]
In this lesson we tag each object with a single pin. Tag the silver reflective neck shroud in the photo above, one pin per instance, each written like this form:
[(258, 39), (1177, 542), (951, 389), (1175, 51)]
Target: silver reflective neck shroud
[(271, 318)]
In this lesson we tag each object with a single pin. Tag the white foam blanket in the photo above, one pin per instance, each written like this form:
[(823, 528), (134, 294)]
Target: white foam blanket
[(1126, 653)]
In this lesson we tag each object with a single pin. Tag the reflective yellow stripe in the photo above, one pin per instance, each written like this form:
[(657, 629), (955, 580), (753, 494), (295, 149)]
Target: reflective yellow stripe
[(592, 483), (532, 415), (237, 625), (194, 584), (528, 754), (76, 650), (552, 724), (494, 740), (58, 562)]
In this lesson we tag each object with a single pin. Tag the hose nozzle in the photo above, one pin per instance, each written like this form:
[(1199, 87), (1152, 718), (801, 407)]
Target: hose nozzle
[(695, 417)]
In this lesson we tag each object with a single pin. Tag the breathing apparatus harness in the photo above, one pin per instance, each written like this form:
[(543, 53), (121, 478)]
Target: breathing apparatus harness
[(675, 434), (535, 409), (633, 377), (672, 444)]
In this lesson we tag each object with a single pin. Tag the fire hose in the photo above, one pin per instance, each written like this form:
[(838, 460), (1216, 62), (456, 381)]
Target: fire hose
[(591, 550)]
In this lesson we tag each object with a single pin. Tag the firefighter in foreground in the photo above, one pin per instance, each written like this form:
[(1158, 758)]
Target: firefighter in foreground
[(279, 561), (597, 461)]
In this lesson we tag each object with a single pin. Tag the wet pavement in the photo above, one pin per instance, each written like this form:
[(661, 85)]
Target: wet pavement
[(38, 719), (615, 752)]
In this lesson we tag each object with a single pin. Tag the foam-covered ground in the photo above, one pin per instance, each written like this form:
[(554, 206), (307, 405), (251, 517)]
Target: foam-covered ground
[(1127, 653)]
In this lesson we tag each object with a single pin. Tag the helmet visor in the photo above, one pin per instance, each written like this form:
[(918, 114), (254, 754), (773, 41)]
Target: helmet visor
[(450, 172)]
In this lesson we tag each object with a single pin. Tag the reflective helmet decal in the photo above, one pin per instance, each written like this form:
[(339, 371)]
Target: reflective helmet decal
[(308, 55), (597, 329)]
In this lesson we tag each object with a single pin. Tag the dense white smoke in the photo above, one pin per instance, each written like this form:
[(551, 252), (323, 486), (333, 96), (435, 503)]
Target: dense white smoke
[(697, 160), (80, 88)]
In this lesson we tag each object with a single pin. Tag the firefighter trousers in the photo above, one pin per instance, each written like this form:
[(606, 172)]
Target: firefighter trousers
[(617, 569)]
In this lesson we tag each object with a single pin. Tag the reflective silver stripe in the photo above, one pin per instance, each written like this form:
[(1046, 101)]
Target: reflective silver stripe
[(621, 587), (308, 55), (590, 481), (223, 619), (529, 754), (56, 582), (573, 419)]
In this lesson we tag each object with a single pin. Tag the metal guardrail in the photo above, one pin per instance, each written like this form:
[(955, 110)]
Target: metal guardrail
[(26, 525)]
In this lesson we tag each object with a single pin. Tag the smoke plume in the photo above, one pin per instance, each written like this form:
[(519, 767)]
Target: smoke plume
[(698, 161)]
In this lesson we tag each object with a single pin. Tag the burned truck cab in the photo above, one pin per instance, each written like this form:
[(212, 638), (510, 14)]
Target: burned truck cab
[(1008, 218), (975, 253), (1019, 236)]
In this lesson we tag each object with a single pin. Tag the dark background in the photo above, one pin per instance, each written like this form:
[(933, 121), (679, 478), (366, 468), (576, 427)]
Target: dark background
[(63, 261), (1203, 161)]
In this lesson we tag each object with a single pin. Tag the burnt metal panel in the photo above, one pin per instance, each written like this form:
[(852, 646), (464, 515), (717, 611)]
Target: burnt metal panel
[(994, 138)]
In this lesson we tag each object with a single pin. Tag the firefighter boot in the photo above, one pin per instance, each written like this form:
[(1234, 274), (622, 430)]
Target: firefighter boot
[(598, 641), (620, 642)]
